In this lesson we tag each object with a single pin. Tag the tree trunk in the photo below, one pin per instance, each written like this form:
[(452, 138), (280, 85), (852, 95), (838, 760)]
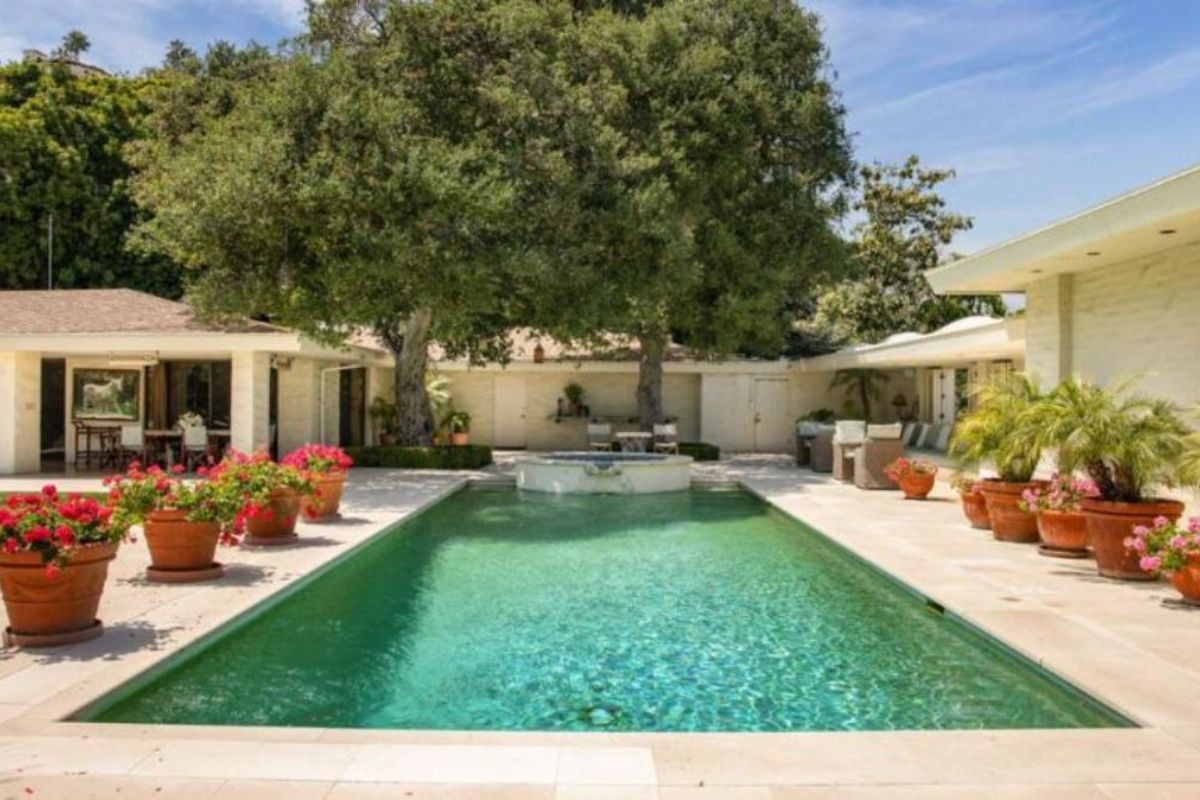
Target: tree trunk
[(414, 420), (649, 388)]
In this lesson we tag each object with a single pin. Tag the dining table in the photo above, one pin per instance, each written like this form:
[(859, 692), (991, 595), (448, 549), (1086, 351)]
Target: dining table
[(169, 442)]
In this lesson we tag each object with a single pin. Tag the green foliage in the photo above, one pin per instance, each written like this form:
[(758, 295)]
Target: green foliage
[(862, 386), (825, 416), (997, 432), (906, 229), (700, 451), (383, 412), (63, 143), (471, 456), (574, 392), (703, 160), (74, 44), (1127, 442), (457, 422)]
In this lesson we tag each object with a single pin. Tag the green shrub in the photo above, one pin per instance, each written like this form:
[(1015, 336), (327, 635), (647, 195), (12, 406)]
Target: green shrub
[(701, 451), (471, 456)]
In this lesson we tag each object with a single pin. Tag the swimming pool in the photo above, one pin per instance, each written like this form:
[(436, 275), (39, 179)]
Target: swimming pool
[(702, 610)]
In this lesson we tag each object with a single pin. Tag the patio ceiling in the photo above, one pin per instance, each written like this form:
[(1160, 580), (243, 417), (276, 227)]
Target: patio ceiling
[(1156, 217)]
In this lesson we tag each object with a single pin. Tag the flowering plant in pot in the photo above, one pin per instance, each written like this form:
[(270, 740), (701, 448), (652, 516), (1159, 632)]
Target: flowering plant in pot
[(53, 565), (183, 520), (992, 434), (1167, 547), (1128, 444), (328, 466), (915, 477), (974, 506), (270, 492), (1061, 523)]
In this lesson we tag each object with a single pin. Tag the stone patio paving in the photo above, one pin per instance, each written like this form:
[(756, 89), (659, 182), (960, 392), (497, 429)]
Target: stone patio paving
[(1120, 642)]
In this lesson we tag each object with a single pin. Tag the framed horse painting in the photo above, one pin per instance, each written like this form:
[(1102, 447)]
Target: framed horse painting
[(106, 394)]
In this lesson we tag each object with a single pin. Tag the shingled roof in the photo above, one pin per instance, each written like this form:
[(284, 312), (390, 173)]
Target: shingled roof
[(83, 311)]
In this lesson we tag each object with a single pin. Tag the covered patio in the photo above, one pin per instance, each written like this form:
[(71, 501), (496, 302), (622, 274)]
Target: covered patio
[(92, 378)]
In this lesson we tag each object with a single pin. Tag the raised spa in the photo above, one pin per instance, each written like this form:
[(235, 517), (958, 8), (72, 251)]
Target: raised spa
[(605, 473)]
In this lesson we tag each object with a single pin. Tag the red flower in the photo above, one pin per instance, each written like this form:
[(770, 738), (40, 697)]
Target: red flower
[(64, 535), (50, 491), (39, 533), (53, 572), (11, 545), (177, 468)]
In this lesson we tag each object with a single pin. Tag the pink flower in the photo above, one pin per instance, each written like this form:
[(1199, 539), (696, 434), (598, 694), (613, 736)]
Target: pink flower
[(1161, 522), (1178, 542), (1140, 530), (1193, 525), (1150, 563)]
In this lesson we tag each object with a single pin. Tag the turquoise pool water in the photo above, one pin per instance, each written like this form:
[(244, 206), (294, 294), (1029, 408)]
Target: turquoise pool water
[(692, 611)]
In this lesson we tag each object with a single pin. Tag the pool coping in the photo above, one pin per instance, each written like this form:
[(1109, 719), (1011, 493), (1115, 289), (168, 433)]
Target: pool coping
[(1166, 748)]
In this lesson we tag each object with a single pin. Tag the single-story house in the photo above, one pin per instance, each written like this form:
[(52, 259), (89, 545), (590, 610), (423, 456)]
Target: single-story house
[(75, 362), (1111, 293)]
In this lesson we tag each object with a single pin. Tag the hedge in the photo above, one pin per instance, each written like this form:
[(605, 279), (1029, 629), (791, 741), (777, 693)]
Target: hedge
[(471, 456), (701, 451)]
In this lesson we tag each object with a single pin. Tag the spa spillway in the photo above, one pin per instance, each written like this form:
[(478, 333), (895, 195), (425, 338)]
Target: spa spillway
[(605, 473)]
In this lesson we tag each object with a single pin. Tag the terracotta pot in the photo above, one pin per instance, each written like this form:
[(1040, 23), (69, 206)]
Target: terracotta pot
[(1110, 524), (179, 545), (459, 439), (1009, 522), (1187, 580), (59, 610), (280, 524), (975, 508), (917, 485), (1064, 531), (328, 498)]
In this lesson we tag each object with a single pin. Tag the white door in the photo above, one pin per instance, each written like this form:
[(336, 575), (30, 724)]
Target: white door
[(509, 412), (772, 423)]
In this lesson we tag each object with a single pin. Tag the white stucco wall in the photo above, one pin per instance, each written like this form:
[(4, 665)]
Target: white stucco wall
[(1136, 319), (250, 400), (20, 409), (298, 401)]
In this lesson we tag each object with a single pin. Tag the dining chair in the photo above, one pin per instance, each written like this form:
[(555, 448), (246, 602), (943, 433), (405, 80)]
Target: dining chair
[(195, 446), (666, 438), (132, 445), (599, 436)]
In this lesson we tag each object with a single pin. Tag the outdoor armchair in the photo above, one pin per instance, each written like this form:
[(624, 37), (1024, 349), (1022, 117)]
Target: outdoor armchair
[(882, 446), (848, 436)]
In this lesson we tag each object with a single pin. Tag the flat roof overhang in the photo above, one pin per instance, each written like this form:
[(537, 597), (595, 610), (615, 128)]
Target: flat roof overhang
[(995, 340), (1159, 216), (185, 345)]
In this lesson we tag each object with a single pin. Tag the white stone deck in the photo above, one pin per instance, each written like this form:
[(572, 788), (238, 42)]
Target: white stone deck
[(1118, 641)]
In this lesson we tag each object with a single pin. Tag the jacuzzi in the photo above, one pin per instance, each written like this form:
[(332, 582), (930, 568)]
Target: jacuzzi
[(604, 473)]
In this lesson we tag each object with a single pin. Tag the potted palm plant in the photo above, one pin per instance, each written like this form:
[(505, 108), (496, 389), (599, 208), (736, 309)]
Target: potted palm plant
[(383, 414), (54, 556), (574, 393), (991, 434), (328, 466), (1129, 444), (183, 521), (459, 425)]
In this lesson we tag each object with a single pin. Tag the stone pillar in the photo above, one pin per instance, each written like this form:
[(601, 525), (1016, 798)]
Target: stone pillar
[(298, 404), (1048, 330), (20, 412), (250, 401)]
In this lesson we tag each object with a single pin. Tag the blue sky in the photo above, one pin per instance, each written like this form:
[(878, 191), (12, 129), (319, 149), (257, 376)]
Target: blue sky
[(1043, 106)]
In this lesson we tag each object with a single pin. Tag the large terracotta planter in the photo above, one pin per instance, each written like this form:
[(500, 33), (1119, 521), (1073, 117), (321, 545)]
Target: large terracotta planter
[(328, 497), (916, 485), (181, 551), (975, 508), (1064, 533), (44, 612), (1187, 580), (278, 526), (1009, 522), (1110, 524)]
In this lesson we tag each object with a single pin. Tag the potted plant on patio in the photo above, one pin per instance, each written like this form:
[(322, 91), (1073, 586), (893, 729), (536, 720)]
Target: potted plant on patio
[(458, 423), (54, 555), (974, 505), (574, 393), (1128, 444), (915, 477), (1061, 523), (271, 494), (383, 414), (328, 466), (992, 434), (183, 520), (1165, 546)]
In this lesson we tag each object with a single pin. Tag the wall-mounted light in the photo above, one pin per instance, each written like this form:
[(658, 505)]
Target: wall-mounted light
[(1093, 252), (1167, 232)]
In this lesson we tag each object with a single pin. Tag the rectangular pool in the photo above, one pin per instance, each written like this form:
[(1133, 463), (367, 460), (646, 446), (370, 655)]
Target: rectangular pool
[(704, 610)]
